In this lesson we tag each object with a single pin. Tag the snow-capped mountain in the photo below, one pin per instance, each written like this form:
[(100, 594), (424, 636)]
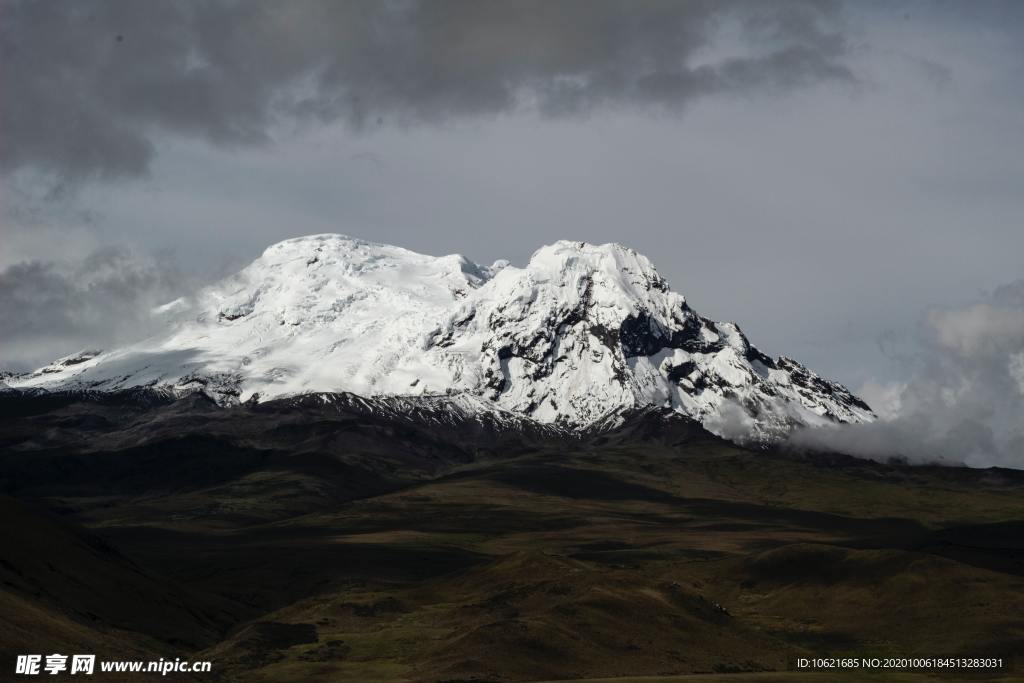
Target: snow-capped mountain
[(582, 333)]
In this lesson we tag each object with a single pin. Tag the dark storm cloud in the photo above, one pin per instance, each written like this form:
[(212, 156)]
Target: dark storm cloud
[(55, 308), (89, 86)]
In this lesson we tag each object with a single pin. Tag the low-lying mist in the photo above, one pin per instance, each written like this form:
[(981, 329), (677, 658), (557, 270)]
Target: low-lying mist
[(964, 401)]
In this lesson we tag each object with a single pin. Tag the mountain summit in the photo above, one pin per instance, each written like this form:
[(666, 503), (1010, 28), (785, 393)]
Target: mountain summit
[(581, 334)]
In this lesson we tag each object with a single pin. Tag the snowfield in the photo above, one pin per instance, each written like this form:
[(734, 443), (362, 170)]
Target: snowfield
[(580, 334)]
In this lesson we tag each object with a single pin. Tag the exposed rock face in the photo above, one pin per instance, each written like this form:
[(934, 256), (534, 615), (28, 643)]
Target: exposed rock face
[(581, 334)]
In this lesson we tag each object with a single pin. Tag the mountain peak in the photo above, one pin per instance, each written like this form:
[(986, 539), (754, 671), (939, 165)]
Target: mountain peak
[(613, 263), (581, 332)]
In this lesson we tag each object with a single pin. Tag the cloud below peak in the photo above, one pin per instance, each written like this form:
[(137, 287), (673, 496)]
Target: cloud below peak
[(964, 402), (63, 306)]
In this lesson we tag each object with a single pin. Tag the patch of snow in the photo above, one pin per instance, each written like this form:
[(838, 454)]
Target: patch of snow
[(581, 332)]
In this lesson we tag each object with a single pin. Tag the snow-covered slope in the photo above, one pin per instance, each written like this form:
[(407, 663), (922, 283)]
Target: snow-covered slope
[(582, 333)]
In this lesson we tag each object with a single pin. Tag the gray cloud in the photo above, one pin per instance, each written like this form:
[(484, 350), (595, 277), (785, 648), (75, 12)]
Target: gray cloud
[(964, 403), (90, 86), (58, 308)]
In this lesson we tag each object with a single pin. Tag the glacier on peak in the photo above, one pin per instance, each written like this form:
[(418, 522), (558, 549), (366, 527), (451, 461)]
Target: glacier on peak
[(581, 332)]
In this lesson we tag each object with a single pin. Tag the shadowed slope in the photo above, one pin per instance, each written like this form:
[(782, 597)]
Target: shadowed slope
[(333, 540)]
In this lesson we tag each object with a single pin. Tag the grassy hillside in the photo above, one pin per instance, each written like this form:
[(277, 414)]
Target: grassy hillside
[(615, 558)]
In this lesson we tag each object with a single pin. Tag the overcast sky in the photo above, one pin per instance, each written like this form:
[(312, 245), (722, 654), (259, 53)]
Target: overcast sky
[(826, 174)]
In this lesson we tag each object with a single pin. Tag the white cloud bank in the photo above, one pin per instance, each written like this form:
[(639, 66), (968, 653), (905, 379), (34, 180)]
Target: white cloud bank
[(964, 402)]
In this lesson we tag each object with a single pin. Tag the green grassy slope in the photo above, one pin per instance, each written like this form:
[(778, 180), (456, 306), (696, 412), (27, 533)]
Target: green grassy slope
[(696, 562)]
